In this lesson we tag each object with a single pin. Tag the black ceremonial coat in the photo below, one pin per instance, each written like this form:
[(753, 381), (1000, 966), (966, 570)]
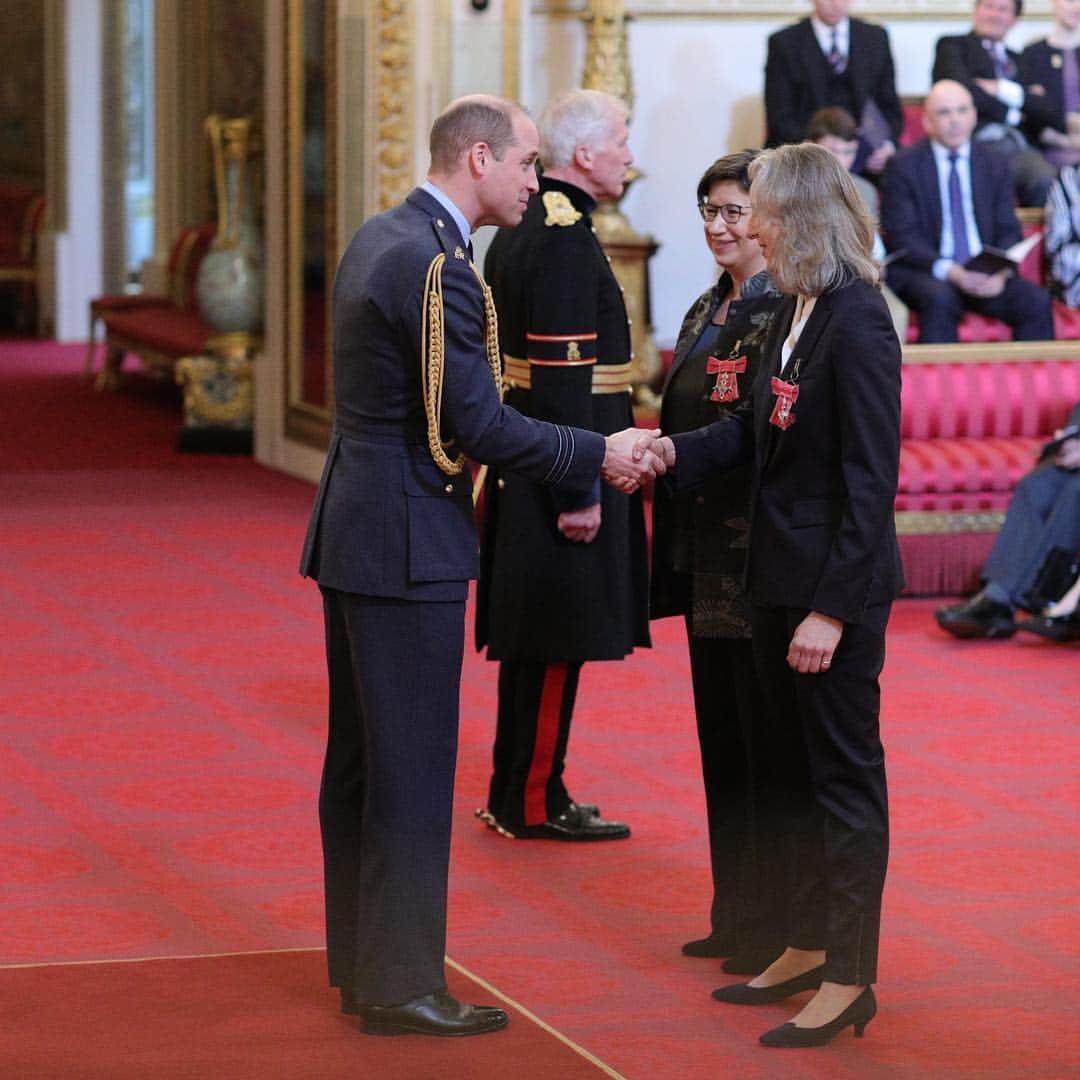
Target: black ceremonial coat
[(543, 597)]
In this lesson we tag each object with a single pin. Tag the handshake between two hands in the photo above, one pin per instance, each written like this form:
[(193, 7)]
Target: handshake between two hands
[(633, 456)]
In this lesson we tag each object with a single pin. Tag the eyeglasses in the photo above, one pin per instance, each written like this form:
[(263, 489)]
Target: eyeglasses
[(730, 212)]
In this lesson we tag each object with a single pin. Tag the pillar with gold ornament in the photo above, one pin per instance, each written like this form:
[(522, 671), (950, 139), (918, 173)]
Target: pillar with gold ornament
[(607, 68)]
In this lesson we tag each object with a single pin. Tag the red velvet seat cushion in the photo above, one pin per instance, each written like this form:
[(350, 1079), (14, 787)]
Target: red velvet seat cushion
[(164, 330), (962, 473)]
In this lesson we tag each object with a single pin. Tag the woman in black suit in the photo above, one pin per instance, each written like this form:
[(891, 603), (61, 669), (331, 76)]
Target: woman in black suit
[(1054, 65), (823, 430), (698, 552)]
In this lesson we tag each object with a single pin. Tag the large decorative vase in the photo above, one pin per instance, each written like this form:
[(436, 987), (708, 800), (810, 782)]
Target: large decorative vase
[(229, 288)]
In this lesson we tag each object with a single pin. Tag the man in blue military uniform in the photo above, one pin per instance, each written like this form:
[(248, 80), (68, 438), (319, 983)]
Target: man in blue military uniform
[(392, 545), (565, 575)]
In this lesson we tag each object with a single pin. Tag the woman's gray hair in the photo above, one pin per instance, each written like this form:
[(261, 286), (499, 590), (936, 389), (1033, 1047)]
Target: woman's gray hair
[(576, 118), (826, 234)]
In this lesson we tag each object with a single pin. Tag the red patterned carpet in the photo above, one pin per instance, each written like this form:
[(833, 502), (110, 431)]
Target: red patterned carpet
[(160, 745)]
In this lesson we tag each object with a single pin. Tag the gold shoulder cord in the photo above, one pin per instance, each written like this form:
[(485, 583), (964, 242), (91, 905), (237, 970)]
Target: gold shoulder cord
[(433, 358)]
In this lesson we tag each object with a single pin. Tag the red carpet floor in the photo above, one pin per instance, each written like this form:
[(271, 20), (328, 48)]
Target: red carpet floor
[(160, 742)]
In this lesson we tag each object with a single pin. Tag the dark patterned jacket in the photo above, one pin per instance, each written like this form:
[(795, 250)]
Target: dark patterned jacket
[(699, 536)]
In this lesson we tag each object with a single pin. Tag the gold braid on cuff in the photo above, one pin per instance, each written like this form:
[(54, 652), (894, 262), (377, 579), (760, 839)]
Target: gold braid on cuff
[(433, 358)]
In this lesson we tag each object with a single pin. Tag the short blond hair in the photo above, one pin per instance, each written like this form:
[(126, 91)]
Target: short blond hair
[(826, 234)]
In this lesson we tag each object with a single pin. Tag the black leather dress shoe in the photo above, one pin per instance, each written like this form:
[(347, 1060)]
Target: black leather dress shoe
[(349, 1005), (979, 617), (745, 994), (1054, 627), (432, 1014), (711, 946), (575, 824)]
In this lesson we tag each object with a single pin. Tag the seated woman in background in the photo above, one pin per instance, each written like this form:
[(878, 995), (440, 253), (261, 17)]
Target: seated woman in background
[(1054, 64), (822, 427), (1062, 235), (698, 556)]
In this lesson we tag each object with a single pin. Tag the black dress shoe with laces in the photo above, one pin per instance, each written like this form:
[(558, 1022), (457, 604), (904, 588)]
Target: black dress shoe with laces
[(432, 1014), (1053, 627), (575, 824), (979, 617)]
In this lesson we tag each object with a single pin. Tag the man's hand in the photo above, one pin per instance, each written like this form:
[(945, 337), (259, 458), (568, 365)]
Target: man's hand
[(880, 157), (1068, 453), (629, 460), (813, 644), (580, 525), (976, 284)]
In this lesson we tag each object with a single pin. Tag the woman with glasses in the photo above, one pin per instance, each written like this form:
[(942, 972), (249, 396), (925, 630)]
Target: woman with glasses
[(699, 547), (822, 428)]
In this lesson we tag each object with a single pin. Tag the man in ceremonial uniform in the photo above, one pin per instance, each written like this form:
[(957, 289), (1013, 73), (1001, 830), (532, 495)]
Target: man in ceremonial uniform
[(392, 545), (565, 575)]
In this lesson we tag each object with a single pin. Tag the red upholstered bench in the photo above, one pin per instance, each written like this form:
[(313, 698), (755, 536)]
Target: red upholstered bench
[(972, 420), (159, 329)]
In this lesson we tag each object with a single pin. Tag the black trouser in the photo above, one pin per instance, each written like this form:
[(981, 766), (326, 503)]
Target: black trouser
[(748, 905), (825, 794), (536, 703), (387, 791)]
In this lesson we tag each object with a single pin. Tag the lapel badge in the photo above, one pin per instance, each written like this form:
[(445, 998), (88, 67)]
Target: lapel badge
[(1055, 60), (458, 253)]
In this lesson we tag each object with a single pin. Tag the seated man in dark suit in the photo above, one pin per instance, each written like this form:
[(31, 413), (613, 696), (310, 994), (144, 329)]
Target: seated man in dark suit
[(981, 62), (945, 199), (829, 59), (1043, 517)]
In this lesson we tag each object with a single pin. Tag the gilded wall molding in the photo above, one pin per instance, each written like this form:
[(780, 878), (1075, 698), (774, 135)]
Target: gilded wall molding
[(393, 37), (874, 9)]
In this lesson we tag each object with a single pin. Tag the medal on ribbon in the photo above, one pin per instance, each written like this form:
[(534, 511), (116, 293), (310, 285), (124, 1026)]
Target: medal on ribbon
[(727, 377), (786, 395)]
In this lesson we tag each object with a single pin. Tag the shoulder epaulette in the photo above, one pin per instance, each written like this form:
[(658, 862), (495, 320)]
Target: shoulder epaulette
[(560, 210)]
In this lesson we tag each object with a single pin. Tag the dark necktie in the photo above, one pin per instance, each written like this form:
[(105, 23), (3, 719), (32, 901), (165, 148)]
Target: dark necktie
[(1004, 68), (468, 249), (837, 60), (961, 251)]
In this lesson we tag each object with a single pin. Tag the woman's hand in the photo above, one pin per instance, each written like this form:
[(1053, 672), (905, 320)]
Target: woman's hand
[(813, 644)]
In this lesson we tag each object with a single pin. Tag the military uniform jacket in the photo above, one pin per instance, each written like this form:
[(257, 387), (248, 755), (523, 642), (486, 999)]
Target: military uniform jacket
[(386, 520), (563, 320), (699, 535), (822, 534)]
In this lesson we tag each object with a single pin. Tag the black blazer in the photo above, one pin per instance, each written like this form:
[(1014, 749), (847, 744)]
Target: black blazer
[(964, 58), (796, 77), (386, 520), (911, 211), (1040, 65), (822, 535)]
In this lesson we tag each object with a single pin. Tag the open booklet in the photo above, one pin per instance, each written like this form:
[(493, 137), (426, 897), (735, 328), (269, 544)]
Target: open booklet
[(991, 259)]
